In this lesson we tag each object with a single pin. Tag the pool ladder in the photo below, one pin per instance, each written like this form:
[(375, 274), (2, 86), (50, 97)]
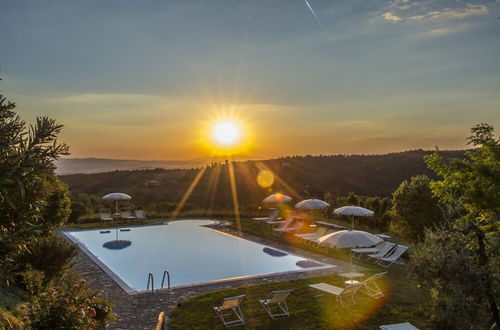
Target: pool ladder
[(151, 281)]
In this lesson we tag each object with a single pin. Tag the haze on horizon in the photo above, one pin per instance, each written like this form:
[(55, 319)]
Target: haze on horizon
[(141, 80)]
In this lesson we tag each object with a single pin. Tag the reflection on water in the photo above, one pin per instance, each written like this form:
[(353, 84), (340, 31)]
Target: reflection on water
[(273, 252)]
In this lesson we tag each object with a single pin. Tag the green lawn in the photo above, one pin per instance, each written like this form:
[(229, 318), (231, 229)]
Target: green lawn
[(403, 301)]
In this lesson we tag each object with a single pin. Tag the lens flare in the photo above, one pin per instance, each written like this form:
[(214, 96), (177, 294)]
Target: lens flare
[(265, 178)]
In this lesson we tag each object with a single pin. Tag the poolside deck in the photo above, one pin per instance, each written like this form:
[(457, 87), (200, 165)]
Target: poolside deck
[(140, 311)]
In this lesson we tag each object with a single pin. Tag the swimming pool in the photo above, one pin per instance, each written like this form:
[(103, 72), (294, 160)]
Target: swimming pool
[(190, 250)]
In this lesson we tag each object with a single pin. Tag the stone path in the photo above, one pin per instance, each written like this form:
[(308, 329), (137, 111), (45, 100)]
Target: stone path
[(140, 311)]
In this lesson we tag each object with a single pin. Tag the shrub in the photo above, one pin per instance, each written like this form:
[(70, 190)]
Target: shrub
[(51, 254), (68, 304), (77, 210)]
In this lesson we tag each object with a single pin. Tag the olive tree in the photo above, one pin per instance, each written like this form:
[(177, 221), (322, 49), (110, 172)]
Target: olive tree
[(460, 261)]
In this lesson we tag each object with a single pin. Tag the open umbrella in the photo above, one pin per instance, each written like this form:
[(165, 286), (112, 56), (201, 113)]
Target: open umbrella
[(117, 197), (348, 239), (353, 211), (311, 204), (277, 198)]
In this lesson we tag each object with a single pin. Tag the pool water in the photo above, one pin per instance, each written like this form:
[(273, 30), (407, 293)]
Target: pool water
[(191, 251)]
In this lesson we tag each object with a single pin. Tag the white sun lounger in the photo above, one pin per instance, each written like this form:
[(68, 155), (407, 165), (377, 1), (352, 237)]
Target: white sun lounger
[(384, 251), (139, 214), (105, 215), (125, 214), (339, 293), (277, 299), (289, 229), (320, 231), (393, 257), (370, 286), (232, 306), (399, 326), (273, 216)]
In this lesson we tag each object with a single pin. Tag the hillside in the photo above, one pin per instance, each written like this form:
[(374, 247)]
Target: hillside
[(305, 176)]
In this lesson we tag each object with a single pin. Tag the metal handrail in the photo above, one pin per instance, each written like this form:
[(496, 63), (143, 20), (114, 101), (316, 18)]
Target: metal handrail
[(151, 280), (168, 279)]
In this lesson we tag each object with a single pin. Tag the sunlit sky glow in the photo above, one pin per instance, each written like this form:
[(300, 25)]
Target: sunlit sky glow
[(142, 79)]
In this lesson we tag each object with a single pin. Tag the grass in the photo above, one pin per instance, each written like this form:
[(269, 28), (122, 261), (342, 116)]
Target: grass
[(404, 302), (11, 301)]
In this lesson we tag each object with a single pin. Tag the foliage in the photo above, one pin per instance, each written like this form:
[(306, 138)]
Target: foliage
[(26, 164), (414, 208), (67, 304), (57, 208), (453, 274), (78, 210), (461, 262), (366, 175), (11, 300), (50, 254)]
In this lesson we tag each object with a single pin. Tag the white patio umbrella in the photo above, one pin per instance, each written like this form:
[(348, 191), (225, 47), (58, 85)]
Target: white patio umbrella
[(353, 211), (117, 197), (349, 239), (312, 204), (277, 198)]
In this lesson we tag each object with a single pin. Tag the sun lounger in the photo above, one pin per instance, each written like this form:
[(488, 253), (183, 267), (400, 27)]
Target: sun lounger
[(399, 326), (232, 306), (317, 241), (105, 215), (283, 222), (273, 216), (393, 257), (296, 227), (278, 300), (125, 214), (384, 251), (139, 214), (370, 286), (339, 293), (320, 231)]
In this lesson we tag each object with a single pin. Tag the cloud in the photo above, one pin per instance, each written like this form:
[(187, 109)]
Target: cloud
[(391, 17), (452, 13), (445, 30)]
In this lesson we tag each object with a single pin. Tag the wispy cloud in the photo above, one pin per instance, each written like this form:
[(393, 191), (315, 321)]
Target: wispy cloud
[(391, 17), (445, 30), (453, 13), (398, 12)]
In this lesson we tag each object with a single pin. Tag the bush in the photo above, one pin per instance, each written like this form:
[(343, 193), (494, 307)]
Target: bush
[(77, 210), (51, 254), (68, 304)]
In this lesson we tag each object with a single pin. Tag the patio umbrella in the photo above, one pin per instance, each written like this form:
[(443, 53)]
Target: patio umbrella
[(277, 198), (350, 239), (117, 197), (353, 211), (312, 204)]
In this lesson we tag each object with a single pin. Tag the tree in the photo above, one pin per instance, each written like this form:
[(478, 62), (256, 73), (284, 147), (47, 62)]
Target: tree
[(414, 208), (26, 165), (460, 262)]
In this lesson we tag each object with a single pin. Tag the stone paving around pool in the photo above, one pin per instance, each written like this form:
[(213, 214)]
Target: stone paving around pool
[(140, 311)]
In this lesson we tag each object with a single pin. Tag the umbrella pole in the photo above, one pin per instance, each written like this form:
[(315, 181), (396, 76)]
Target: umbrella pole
[(352, 222), (116, 206)]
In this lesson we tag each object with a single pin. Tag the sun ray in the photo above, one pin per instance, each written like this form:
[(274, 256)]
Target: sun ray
[(234, 194), (290, 190), (188, 192)]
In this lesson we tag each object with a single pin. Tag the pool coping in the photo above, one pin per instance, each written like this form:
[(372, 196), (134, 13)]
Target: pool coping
[(132, 291)]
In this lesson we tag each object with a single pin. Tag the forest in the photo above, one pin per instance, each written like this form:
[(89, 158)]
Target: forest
[(300, 177)]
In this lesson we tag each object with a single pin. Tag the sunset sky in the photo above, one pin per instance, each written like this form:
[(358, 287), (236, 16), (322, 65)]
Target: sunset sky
[(144, 79)]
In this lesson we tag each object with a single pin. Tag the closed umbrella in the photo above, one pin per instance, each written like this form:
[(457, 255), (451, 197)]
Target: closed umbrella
[(353, 211), (277, 199), (117, 197), (312, 204)]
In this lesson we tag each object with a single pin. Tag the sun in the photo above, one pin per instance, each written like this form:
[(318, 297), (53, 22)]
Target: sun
[(226, 133)]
